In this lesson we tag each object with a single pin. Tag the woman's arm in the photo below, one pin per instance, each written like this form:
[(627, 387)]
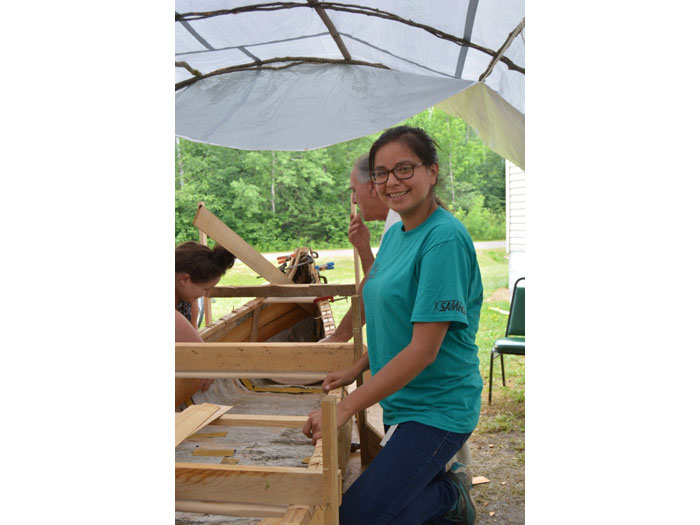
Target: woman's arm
[(397, 373)]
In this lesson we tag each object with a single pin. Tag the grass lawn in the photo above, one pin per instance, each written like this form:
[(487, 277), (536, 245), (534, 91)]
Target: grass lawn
[(507, 413)]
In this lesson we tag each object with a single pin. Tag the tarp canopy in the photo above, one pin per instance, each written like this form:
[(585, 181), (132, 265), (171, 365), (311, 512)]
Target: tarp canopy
[(305, 75)]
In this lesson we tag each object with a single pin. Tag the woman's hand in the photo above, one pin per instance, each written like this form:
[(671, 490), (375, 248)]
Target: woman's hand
[(339, 378), (312, 427)]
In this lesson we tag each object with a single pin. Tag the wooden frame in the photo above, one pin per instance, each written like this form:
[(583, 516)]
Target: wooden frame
[(282, 495), (313, 492)]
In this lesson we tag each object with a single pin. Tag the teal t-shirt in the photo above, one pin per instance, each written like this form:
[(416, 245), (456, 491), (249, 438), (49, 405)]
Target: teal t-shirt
[(428, 274)]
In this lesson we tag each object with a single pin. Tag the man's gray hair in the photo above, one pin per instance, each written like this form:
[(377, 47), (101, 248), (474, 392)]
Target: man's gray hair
[(362, 166)]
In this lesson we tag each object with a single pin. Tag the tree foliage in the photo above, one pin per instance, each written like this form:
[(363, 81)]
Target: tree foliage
[(278, 200)]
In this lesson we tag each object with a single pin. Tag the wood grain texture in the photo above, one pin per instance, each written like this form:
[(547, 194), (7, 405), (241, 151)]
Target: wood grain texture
[(230, 509), (250, 484), (252, 420), (267, 357), (331, 477), (285, 290), (210, 224), (189, 420)]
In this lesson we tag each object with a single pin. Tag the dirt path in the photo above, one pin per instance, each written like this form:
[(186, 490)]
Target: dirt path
[(500, 457)]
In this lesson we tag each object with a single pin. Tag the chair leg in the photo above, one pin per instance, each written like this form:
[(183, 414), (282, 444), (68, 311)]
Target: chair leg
[(490, 376), (503, 371)]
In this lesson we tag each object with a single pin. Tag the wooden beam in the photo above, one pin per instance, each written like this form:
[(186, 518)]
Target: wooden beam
[(281, 376), (211, 333), (231, 509), (250, 484), (226, 237), (285, 290), (366, 452), (255, 324), (331, 481), (355, 253), (254, 357), (206, 301), (252, 420), (195, 417)]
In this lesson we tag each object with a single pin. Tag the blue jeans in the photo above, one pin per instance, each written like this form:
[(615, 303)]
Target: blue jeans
[(405, 483)]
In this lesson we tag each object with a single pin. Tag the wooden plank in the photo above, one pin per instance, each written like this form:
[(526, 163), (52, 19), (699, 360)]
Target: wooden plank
[(281, 376), (355, 253), (297, 515), (195, 418), (228, 321), (231, 509), (366, 452), (250, 484), (226, 237), (331, 481), (273, 319), (203, 436), (206, 300), (258, 357), (285, 290), (252, 420), (214, 452), (189, 420), (254, 325)]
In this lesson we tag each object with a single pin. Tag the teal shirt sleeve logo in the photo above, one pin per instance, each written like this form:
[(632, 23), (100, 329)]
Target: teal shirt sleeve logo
[(449, 306)]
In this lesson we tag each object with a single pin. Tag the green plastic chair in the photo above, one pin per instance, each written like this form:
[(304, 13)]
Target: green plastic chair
[(514, 341)]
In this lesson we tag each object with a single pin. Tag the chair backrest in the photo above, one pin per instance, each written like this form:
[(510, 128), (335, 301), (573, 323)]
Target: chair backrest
[(516, 317)]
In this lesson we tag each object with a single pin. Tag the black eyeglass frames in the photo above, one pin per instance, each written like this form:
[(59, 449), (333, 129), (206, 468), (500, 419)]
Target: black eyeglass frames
[(401, 172)]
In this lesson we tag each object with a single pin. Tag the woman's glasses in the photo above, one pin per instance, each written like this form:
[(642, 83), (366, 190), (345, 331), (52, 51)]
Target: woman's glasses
[(401, 172)]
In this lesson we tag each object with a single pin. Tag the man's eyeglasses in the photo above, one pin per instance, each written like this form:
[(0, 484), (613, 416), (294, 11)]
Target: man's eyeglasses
[(401, 172)]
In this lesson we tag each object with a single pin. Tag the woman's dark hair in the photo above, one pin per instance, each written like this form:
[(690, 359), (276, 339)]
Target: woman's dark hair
[(202, 263), (415, 139)]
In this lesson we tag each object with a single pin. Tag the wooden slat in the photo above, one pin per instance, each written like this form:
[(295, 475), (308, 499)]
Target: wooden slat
[(285, 290), (255, 323), (228, 321), (190, 420), (281, 376), (252, 420), (206, 301), (297, 357), (250, 484), (285, 313), (231, 509), (331, 481), (226, 237)]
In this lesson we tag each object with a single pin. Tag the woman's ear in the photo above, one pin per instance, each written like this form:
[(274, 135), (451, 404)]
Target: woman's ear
[(183, 278), (433, 173)]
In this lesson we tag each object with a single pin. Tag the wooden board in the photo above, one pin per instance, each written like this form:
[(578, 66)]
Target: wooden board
[(263, 357), (251, 484), (230, 509), (331, 478), (252, 420), (190, 420), (226, 237), (286, 290)]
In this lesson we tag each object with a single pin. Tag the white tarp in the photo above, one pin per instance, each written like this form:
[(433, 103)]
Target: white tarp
[(309, 106)]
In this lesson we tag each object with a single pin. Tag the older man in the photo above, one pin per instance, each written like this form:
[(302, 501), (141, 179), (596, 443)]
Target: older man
[(364, 194)]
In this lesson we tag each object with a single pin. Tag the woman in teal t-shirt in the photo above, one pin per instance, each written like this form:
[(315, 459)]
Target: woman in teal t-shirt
[(422, 301)]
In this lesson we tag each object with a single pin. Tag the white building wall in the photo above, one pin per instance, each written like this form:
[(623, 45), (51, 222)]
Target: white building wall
[(515, 222)]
